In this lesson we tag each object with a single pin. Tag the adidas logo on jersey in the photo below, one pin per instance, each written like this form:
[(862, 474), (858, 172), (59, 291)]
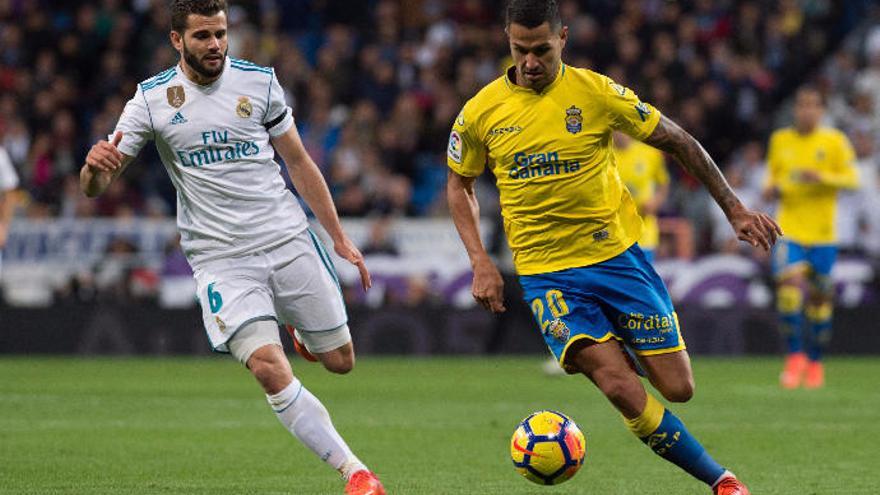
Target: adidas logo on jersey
[(178, 119)]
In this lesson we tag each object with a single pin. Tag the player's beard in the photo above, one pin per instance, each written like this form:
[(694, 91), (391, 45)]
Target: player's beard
[(193, 61)]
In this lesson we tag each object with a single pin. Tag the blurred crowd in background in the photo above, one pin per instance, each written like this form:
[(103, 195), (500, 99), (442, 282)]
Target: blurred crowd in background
[(376, 84)]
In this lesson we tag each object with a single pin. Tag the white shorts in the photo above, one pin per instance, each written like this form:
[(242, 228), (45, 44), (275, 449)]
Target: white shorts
[(294, 283)]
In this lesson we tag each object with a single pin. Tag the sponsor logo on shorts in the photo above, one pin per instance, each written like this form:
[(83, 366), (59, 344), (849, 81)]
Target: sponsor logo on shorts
[(664, 323), (601, 235)]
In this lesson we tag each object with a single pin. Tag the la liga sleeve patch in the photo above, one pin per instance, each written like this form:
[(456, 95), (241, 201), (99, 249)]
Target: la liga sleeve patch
[(456, 146)]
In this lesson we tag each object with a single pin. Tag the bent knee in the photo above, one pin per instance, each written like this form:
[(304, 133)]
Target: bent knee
[(681, 391), (339, 363)]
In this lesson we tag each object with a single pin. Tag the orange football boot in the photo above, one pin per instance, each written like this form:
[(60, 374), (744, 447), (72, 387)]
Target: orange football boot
[(298, 346), (793, 373), (364, 482), (815, 375), (730, 486)]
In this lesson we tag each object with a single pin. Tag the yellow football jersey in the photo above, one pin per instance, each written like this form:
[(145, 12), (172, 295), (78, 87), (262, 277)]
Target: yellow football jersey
[(562, 199), (643, 168), (806, 211)]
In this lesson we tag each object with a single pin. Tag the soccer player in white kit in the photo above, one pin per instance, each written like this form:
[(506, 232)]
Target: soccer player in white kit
[(8, 182), (217, 122)]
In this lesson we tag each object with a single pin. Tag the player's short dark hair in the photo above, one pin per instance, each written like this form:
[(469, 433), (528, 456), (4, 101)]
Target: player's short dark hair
[(811, 88), (181, 9), (533, 13)]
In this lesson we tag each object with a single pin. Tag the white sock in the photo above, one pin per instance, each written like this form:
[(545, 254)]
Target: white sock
[(308, 420), (725, 474)]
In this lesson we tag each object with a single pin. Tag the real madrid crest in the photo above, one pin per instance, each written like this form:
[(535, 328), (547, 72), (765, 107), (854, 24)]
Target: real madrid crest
[(573, 120), (244, 109), (220, 324), (176, 96)]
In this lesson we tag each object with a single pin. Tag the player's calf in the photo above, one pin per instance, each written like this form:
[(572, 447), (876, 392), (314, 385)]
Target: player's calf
[(622, 388), (271, 370)]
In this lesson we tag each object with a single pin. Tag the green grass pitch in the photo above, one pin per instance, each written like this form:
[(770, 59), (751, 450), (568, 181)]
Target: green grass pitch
[(427, 426)]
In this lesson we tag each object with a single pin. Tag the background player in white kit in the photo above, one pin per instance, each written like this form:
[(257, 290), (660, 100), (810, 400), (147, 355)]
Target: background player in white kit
[(245, 235), (8, 182)]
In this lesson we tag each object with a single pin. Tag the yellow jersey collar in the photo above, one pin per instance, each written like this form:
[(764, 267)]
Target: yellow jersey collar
[(521, 89)]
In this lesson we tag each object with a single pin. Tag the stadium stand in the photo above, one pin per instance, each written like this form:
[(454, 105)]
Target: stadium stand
[(376, 84)]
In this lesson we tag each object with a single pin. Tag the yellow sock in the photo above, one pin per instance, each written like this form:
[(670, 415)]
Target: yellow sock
[(647, 422)]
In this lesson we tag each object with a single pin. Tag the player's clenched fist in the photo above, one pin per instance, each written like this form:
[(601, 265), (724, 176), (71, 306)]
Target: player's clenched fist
[(105, 156)]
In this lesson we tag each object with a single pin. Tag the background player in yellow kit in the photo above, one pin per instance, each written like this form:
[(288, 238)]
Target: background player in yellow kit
[(544, 130), (807, 164), (643, 171)]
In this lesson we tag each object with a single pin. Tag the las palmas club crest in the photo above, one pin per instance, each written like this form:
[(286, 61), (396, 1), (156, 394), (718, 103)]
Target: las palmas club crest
[(573, 119), (559, 330)]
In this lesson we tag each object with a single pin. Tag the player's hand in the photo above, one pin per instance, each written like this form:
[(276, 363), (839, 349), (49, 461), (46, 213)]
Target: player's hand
[(348, 251), (809, 177), (105, 156), (756, 228), (488, 286), (4, 235)]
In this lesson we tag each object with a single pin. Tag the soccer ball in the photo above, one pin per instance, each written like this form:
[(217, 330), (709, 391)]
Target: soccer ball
[(547, 448)]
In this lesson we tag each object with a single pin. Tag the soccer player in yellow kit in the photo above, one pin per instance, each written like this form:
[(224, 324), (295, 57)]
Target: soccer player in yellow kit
[(544, 130), (807, 164), (643, 171)]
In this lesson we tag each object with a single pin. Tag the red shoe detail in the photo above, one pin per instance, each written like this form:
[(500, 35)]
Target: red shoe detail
[(298, 346), (364, 482), (793, 373), (815, 375), (730, 486)]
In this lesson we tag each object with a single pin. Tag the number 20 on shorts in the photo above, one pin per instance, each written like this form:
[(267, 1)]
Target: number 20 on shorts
[(555, 303)]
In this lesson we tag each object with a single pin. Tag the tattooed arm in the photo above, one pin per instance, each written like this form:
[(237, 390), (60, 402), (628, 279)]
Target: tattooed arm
[(756, 228)]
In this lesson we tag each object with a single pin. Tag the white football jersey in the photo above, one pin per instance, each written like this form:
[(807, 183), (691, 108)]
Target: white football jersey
[(8, 177), (214, 143)]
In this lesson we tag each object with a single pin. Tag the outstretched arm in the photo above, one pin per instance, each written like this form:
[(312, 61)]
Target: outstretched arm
[(488, 286), (310, 184), (104, 164), (758, 229)]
